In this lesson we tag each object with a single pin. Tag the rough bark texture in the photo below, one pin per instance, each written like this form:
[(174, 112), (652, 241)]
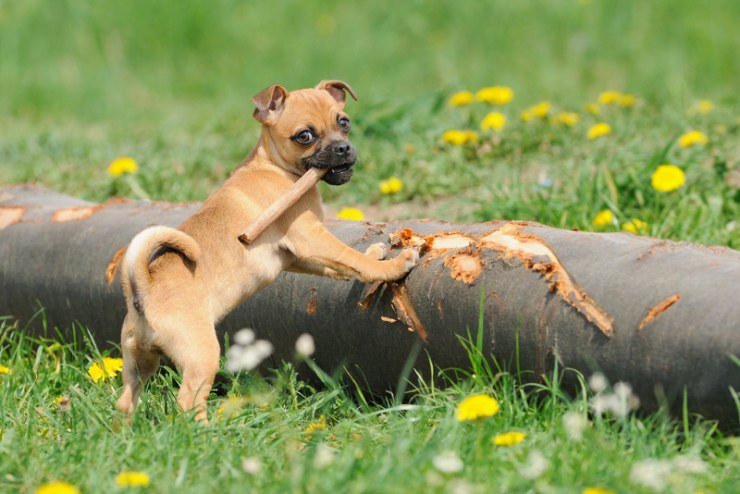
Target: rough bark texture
[(661, 315)]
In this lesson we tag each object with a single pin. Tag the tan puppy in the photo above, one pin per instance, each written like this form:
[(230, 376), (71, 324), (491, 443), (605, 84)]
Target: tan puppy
[(180, 282)]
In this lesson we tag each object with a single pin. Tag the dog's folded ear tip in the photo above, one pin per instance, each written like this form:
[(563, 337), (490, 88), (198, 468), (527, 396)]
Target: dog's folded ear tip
[(337, 89), (270, 97), (269, 103)]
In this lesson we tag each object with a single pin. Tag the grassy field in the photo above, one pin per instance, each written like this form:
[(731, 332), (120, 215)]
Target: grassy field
[(281, 435), (168, 84)]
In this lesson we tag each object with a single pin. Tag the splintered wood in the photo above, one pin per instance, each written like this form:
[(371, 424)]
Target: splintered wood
[(657, 310), (10, 215), (465, 265), (276, 209), (532, 251), (405, 310), (401, 304), (112, 269), (536, 255)]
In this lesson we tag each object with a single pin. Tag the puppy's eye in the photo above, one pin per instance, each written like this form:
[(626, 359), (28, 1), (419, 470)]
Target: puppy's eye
[(344, 124), (304, 137)]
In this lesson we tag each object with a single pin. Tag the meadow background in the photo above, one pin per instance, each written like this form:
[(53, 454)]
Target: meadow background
[(168, 84)]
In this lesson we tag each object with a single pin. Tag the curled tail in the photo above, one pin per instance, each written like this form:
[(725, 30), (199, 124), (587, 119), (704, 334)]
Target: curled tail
[(142, 250)]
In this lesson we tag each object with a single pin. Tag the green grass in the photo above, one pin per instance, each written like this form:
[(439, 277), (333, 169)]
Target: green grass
[(362, 448), (169, 83), (106, 81)]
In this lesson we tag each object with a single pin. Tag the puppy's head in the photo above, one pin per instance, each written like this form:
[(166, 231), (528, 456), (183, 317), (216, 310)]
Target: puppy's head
[(308, 128)]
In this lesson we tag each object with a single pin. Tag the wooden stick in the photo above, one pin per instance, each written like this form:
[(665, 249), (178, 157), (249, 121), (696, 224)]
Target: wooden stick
[(269, 215)]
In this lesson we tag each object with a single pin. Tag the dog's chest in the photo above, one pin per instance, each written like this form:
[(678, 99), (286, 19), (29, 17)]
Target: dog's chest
[(258, 267), (263, 263)]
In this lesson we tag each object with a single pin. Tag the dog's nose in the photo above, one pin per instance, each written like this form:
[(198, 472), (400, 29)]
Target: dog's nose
[(341, 148)]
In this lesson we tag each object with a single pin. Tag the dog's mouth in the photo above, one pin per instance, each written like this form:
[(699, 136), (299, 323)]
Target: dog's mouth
[(338, 174), (339, 165), (339, 169)]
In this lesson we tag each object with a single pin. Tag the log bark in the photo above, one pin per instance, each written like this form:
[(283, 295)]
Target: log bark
[(660, 315)]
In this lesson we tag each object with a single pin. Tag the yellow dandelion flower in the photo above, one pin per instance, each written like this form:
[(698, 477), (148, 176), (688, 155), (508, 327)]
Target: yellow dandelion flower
[(598, 490), (509, 438), (702, 107), (693, 138), (610, 97), (57, 487), (132, 479), (592, 108), (351, 214), (319, 425), (391, 186), (667, 178), (541, 109), (599, 130), (493, 121), (409, 149), (603, 218), (495, 95), (627, 100), (635, 226), (5, 370), (121, 166), (471, 136), (110, 368), (231, 407), (476, 407), (454, 136), (459, 137), (567, 118), (461, 98)]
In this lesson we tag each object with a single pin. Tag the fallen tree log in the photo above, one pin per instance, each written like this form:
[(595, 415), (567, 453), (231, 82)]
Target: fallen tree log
[(661, 315)]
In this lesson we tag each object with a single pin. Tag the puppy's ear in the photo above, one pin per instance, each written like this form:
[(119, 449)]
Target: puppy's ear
[(337, 90), (269, 104)]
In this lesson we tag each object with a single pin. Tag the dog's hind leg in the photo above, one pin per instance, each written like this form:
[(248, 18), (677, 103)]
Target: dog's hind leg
[(190, 341), (198, 373), (139, 363)]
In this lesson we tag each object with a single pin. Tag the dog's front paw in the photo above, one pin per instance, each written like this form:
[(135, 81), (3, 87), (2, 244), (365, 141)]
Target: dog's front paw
[(411, 256), (377, 251)]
